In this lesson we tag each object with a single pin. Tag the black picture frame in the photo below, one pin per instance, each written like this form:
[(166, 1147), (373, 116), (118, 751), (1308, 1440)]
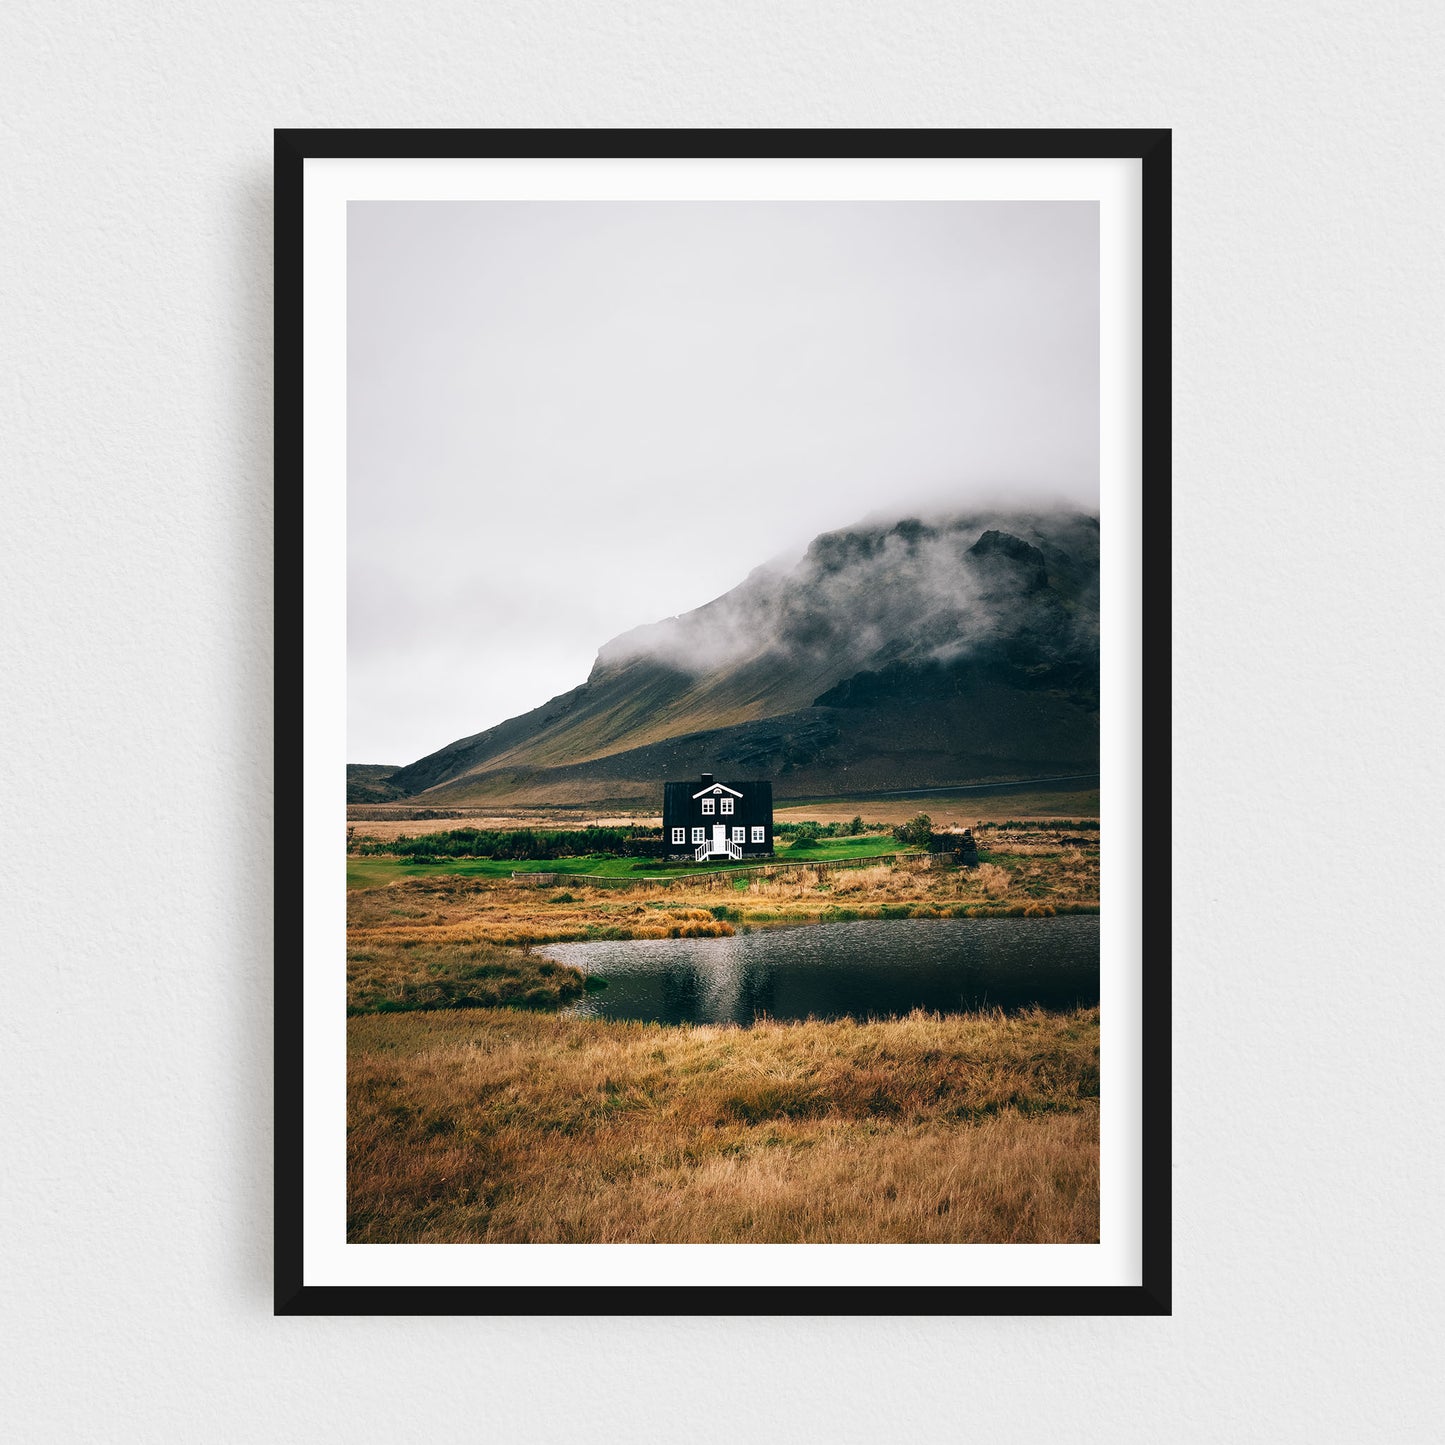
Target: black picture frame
[(1152, 1296)]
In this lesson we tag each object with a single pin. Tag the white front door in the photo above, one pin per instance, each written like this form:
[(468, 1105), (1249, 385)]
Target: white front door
[(719, 838)]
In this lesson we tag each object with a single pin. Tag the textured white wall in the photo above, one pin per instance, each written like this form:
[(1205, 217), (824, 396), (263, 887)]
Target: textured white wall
[(135, 762)]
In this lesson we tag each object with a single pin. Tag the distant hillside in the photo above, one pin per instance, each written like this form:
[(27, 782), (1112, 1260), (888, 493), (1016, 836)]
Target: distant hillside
[(370, 783), (916, 654)]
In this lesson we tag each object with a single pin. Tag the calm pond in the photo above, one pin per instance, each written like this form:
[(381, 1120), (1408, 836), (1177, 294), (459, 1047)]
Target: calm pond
[(875, 968)]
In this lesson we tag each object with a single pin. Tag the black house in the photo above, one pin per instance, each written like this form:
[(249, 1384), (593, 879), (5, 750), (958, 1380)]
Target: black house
[(708, 819)]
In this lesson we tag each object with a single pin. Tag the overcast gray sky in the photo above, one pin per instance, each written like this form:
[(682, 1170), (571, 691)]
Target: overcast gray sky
[(569, 418)]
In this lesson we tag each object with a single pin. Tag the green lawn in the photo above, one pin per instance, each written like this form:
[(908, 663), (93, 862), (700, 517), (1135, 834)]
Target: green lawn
[(374, 872), (377, 872), (870, 845)]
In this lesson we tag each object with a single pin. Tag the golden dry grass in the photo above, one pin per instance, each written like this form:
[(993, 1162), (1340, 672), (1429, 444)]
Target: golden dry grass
[(474, 912), (482, 912), (496, 1126), (400, 974)]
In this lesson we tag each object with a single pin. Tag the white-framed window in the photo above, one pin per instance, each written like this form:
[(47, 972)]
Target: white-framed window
[(758, 834), (679, 835), (708, 805), (699, 835), (727, 806), (740, 835)]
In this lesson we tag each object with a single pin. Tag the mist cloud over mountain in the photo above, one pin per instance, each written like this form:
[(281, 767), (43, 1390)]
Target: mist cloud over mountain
[(916, 652), (923, 590)]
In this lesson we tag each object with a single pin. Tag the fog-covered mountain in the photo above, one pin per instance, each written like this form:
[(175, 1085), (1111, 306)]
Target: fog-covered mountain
[(909, 654)]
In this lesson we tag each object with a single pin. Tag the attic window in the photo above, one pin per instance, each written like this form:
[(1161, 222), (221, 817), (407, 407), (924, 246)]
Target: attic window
[(709, 806), (727, 805)]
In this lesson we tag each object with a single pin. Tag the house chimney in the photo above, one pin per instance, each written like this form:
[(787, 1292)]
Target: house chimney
[(707, 780)]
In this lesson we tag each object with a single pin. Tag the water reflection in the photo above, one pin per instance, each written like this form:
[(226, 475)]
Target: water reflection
[(874, 968)]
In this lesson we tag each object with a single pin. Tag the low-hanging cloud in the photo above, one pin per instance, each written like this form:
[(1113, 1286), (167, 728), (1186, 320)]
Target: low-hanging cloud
[(906, 591)]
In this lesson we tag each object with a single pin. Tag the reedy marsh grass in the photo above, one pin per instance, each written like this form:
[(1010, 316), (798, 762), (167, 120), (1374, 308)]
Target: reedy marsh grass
[(501, 1126), (395, 976), (471, 912)]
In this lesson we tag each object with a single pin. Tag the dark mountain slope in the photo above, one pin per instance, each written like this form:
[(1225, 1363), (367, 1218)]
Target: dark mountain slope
[(905, 655), (371, 783)]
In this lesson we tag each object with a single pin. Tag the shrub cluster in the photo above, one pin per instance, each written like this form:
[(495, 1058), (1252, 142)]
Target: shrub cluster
[(514, 843), (917, 832), (806, 831), (1038, 825)]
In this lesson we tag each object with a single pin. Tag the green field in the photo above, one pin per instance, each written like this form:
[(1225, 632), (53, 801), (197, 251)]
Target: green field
[(378, 872), (870, 845)]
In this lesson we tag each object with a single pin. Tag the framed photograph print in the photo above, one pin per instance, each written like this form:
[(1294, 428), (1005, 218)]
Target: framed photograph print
[(722, 757)]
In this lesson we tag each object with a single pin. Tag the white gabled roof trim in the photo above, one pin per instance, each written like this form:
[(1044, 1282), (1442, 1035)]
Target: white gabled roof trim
[(713, 789)]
